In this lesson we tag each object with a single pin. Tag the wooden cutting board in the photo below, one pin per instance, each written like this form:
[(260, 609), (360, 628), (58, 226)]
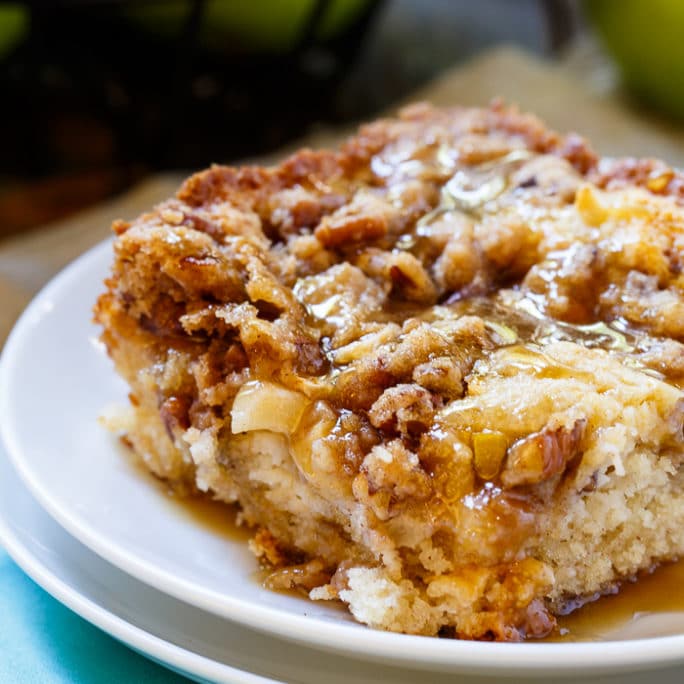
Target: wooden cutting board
[(565, 94)]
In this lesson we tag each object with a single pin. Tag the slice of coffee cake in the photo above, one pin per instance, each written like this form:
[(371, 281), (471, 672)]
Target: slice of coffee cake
[(439, 369)]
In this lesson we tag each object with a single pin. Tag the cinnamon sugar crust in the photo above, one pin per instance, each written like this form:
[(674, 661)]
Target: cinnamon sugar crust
[(439, 368)]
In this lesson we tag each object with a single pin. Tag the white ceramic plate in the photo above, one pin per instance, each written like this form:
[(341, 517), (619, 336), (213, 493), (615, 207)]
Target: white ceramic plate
[(54, 382), (181, 637), (185, 639)]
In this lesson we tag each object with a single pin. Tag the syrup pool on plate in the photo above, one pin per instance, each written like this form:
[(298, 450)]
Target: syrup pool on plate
[(619, 615), (624, 614)]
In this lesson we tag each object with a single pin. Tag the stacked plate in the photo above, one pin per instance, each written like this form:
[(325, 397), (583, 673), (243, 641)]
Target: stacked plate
[(80, 518)]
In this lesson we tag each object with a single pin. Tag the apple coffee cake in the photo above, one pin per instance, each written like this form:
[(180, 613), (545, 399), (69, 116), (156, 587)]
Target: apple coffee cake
[(438, 369)]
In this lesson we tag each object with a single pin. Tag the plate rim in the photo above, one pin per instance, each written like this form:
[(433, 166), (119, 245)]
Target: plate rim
[(151, 646), (362, 643)]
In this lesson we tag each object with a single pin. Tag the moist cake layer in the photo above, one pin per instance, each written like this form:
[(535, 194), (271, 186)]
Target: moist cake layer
[(439, 369)]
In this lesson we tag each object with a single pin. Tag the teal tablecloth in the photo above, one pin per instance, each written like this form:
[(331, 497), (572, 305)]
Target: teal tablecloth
[(42, 642)]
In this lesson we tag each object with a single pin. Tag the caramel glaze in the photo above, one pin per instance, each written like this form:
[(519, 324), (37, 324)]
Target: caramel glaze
[(217, 517), (657, 592)]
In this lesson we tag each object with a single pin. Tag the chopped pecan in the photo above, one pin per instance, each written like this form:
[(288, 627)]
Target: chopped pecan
[(572, 276), (405, 274), (365, 219), (405, 408), (645, 304), (441, 375), (410, 279), (542, 455), (295, 208), (391, 474), (174, 413), (665, 356)]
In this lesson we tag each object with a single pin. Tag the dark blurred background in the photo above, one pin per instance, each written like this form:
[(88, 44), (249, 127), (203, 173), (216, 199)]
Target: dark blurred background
[(95, 95)]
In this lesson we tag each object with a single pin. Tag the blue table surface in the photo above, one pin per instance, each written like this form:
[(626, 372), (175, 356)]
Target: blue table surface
[(42, 641)]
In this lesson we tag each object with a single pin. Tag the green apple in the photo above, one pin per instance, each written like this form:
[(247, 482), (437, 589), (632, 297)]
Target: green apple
[(165, 19), (646, 37), (250, 25), (14, 23), (246, 25)]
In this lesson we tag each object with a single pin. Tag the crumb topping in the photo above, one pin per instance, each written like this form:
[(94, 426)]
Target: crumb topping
[(383, 306)]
